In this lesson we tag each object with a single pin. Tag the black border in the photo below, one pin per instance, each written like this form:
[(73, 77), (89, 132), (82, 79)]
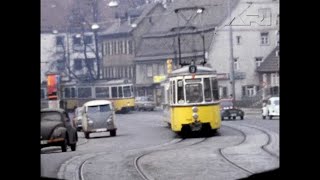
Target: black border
[(20, 127)]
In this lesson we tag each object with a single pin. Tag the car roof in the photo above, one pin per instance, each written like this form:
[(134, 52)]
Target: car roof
[(274, 98), (53, 109), (97, 103)]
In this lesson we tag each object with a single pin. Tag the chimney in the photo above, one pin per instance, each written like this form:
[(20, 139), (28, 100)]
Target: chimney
[(129, 20)]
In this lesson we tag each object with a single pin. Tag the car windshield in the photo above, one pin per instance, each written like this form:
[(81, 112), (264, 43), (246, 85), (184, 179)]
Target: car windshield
[(226, 103), (50, 116), (99, 109)]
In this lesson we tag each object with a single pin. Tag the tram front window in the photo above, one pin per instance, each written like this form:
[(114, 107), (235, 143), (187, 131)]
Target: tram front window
[(194, 93)]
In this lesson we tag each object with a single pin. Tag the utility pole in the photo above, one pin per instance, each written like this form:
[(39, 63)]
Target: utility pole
[(232, 79)]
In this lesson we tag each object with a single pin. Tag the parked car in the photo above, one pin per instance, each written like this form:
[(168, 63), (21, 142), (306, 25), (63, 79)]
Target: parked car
[(78, 118), (57, 129), (98, 116), (228, 110), (272, 108), (144, 103)]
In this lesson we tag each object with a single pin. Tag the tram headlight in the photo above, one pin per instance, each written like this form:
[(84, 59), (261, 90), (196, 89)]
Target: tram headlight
[(195, 115), (195, 109)]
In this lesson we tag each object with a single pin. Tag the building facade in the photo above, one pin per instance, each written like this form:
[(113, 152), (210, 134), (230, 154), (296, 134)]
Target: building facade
[(121, 40), (255, 33)]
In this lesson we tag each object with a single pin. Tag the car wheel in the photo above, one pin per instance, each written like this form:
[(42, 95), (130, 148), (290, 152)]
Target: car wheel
[(64, 146), (270, 117), (233, 117), (263, 117), (86, 135), (229, 117), (222, 118), (73, 146), (241, 117), (113, 133)]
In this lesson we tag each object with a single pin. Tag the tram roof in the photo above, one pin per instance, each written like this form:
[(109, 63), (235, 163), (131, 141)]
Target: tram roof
[(185, 71), (100, 82), (96, 103)]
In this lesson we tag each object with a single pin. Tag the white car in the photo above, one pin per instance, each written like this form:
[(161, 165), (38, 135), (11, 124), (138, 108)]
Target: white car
[(272, 108)]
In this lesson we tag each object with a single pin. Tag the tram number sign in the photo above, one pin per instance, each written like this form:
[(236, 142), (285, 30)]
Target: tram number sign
[(192, 69)]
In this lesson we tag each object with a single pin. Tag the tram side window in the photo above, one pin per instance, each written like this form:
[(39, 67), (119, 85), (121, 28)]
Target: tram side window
[(67, 92), (102, 92), (84, 92), (127, 91), (194, 93), (215, 89), (207, 91), (180, 92), (174, 91), (120, 91), (73, 92), (114, 92)]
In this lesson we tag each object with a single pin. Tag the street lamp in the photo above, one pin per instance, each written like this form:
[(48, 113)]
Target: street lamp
[(95, 28), (113, 3)]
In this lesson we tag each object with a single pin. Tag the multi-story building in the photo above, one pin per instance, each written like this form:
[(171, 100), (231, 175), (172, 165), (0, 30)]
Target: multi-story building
[(269, 74), (191, 20), (121, 39), (255, 34)]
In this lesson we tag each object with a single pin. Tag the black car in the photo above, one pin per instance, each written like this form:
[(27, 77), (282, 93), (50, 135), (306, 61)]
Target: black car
[(229, 111), (57, 129)]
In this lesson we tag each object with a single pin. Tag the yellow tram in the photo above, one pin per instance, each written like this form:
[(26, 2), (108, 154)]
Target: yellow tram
[(192, 100), (120, 92)]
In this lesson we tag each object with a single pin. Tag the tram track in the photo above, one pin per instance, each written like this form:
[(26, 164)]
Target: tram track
[(263, 147), (139, 168)]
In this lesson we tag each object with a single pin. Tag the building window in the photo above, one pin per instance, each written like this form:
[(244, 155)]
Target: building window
[(264, 38), (59, 40), (161, 69), (238, 38), (274, 79), (277, 53), (258, 61), (236, 64), (123, 47), (249, 90), (113, 47), (43, 94), (60, 65), (90, 63), (149, 70), (130, 47), (117, 47), (278, 19), (76, 41), (120, 47), (77, 64), (88, 39), (223, 92)]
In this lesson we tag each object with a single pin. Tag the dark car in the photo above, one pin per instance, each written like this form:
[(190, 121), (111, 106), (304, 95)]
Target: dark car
[(57, 129), (229, 111)]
